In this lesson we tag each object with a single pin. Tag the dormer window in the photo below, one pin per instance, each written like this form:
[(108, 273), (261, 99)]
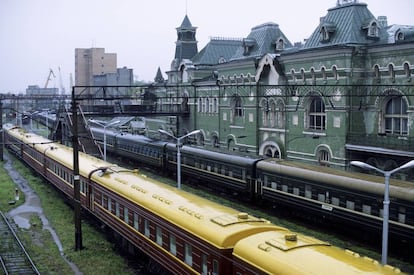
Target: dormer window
[(327, 30), (372, 29), (280, 44), (248, 44), (399, 36)]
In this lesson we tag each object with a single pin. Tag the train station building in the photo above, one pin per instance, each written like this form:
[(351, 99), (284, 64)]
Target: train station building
[(344, 94)]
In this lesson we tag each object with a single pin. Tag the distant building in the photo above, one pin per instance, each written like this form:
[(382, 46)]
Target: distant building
[(93, 62), (37, 102)]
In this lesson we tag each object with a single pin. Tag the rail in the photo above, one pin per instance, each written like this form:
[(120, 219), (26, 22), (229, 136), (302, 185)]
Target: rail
[(13, 256)]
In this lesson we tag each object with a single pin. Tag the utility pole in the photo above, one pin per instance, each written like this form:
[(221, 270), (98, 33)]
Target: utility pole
[(2, 132), (76, 177)]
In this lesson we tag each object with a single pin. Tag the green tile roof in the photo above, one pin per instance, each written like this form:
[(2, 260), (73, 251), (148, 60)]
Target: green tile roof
[(347, 24), (262, 40), (218, 50)]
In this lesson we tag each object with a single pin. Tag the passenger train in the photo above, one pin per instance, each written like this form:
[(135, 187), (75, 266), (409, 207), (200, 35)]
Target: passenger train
[(184, 233), (334, 197)]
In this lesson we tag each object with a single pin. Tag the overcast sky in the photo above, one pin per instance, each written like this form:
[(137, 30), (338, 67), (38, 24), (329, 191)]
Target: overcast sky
[(36, 35)]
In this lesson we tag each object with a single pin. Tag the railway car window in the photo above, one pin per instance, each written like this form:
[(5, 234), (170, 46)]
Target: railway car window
[(401, 217), (158, 236), (335, 201), (285, 188), (215, 267), (350, 205), (308, 191), (173, 248), (136, 224), (366, 209), (296, 191), (216, 168), (126, 218), (321, 197), (273, 185), (109, 204), (204, 264), (401, 214), (117, 209), (146, 228), (188, 251)]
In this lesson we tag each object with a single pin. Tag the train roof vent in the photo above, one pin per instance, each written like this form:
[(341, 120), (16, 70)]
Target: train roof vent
[(291, 241), (226, 220)]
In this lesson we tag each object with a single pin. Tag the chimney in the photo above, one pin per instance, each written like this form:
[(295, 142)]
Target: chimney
[(382, 21)]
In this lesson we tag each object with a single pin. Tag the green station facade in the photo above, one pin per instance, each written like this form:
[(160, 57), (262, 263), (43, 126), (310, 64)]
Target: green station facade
[(345, 93)]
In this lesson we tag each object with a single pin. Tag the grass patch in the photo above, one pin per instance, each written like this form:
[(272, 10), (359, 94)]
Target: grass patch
[(7, 192), (99, 255)]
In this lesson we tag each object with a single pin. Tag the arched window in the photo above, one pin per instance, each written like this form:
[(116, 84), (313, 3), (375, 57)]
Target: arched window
[(200, 103), (407, 70), (236, 106), (313, 76), (396, 116), (335, 72), (323, 71), (323, 157), (317, 114), (207, 105), (391, 72), (377, 73), (215, 106), (280, 44), (303, 75), (373, 30)]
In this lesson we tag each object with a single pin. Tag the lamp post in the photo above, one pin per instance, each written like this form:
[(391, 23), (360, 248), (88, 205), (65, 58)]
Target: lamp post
[(387, 175), (178, 141), (104, 126)]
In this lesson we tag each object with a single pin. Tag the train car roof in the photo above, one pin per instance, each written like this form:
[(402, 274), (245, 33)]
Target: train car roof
[(194, 214), (352, 180), (289, 253), (216, 156), (218, 225)]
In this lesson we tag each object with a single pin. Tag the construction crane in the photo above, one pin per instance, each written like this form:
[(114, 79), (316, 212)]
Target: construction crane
[(51, 73)]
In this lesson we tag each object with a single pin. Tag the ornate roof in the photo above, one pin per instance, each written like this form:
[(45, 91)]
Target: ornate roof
[(345, 24), (263, 39), (218, 50)]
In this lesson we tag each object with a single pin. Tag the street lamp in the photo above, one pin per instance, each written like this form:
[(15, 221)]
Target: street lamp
[(104, 126), (178, 140), (387, 175)]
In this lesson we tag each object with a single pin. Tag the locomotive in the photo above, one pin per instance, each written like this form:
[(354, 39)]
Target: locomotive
[(183, 232), (332, 196)]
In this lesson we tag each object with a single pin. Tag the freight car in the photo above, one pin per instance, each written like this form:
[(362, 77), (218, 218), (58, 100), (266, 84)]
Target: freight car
[(333, 197), (184, 233)]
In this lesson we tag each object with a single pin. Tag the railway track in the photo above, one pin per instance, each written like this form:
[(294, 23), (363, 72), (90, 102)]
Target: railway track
[(13, 257)]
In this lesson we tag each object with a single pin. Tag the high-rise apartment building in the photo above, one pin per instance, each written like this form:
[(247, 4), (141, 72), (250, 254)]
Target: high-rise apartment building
[(93, 62)]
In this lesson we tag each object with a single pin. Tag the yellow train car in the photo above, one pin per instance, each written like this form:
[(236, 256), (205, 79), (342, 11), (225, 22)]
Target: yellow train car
[(291, 253), (184, 233)]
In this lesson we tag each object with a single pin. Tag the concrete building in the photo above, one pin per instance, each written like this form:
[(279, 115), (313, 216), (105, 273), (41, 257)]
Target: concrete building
[(93, 62)]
